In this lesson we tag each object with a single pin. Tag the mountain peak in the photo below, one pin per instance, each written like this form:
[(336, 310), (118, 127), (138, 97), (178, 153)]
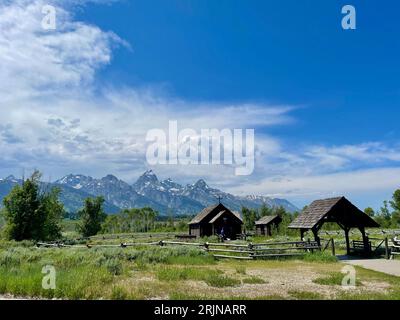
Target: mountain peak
[(76, 181), (70, 177), (110, 177), (149, 175), (11, 178), (201, 184), (171, 185), (147, 179), (149, 191)]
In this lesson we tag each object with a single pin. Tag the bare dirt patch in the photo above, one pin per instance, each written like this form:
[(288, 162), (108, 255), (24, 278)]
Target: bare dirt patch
[(281, 283)]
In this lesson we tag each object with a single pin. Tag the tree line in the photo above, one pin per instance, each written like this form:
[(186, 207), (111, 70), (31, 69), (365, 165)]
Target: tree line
[(33, 213), (250, 216), (388, 216)]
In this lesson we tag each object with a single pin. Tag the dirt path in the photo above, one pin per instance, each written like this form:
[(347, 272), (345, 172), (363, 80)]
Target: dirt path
[(9, 297), (382, 265)]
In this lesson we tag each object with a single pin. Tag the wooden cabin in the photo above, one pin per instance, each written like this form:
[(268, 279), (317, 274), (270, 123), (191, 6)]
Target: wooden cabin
[(216, 220), (265, 225), (338, 210)]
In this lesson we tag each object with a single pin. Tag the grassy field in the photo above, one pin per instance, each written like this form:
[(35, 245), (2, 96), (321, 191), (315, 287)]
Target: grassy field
[(178, 272)]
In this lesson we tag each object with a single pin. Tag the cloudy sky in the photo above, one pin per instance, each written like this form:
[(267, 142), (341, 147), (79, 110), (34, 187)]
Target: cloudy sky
[(324, 102)]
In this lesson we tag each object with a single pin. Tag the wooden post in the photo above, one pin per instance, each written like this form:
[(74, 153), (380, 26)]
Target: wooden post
[(367, 249), (333, 247), (316, 238), (346, 234), (387, 256), (301, 234), (309, 245)]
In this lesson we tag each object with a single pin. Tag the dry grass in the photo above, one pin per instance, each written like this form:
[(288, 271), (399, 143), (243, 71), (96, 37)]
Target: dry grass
[(179, 273)]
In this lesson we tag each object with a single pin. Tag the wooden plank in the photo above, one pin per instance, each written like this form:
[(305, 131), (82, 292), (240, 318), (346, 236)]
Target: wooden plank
[(141, 244), (286, 249), (230, 250), (232, 257), (227, 245), (183, 243), (277, 255), (281, 243)]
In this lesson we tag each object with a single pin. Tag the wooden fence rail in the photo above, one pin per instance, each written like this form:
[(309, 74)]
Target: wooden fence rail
[(248, 251)]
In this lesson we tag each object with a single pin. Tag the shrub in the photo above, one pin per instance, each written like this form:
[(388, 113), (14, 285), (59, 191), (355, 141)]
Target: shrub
[(114, 266), (118, 293), (175, 274), (240, 269), (319, 257), (333, 278), (221, 281), (171, 255), (253, 280)]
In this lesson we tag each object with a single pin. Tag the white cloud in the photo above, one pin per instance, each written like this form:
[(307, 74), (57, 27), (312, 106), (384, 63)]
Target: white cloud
[(52, 118), (368, 186), (35, 60), (330, 184), (346, 155)]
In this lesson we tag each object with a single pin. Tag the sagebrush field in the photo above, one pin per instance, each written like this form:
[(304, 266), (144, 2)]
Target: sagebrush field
[(177, 272)]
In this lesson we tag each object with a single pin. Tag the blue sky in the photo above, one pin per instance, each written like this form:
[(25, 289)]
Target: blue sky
[(114, 69), (286, 52)]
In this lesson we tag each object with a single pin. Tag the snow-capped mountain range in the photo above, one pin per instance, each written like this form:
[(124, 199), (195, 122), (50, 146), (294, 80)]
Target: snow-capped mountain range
[(164, 196)]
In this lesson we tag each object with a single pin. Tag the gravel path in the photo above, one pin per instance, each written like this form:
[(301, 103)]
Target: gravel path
[(382, 265)]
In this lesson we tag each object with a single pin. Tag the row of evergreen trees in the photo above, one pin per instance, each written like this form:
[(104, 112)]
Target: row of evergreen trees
[(144, 220), (33, 213), (250, 216), (131, 220)]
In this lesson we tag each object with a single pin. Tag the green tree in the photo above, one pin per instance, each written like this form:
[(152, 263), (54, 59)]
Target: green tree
[(53, 211), (149, 216), (369, 211), (111, 224), (130, 220), (92, 216), (266, 211), (384, 218), (395, 204), (170, 221), (286, 216), (2, 219), (30, 214), (280, 211), (250, 216)]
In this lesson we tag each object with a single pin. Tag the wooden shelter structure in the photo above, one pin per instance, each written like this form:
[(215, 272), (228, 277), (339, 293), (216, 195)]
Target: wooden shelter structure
[(338, 210), (265, 225), (216, 220)]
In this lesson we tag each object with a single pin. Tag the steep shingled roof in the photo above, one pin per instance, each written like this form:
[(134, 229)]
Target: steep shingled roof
[(237, 215), (266, 219), (337, 209), (203, 213), (206, 211)]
